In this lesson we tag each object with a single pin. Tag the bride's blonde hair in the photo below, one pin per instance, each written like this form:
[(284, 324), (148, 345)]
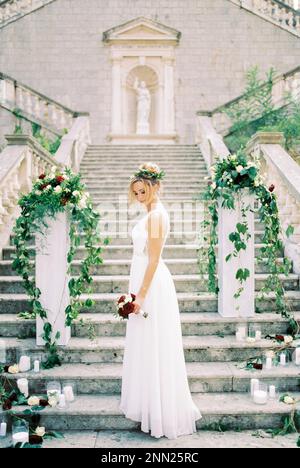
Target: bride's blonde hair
[(150, 175)]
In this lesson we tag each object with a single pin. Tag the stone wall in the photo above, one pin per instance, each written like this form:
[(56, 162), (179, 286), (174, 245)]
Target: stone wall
[(58, 50), (7, 125)]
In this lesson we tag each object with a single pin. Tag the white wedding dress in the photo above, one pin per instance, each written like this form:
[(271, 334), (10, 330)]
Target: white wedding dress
[(155, 387)]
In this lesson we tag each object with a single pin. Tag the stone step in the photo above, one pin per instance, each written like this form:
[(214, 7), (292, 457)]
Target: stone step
[(219, 410), (203, 377), (193, 323), (170, 185), (183, 266), (139, 157), (90, 177), (109, 192), (120, 249), (188, 302), (210, 348), (119, 283)]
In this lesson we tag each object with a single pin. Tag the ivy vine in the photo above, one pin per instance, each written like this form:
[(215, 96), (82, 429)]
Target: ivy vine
[(231, 176), (51, 194)]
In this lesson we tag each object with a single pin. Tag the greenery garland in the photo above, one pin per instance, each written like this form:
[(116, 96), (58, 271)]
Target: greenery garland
[(51, 194), (230, 176)]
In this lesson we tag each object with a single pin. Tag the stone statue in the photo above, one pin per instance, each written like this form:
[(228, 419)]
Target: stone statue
[(143, 107)]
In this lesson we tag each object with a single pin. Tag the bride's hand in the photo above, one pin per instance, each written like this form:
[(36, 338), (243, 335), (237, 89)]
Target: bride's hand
[(138, 304)]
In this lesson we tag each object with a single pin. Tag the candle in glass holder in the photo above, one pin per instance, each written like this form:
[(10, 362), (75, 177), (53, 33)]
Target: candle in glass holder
[(36, 366), (268, 362), (24, 364), (254, 385), (260, 397), (258, 335), (23, 386), (3, 428), (272, 391), (20, 432), (282, 359), (68, 392), (53, 390)]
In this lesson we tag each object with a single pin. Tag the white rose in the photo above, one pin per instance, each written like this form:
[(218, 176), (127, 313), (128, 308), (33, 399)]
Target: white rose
[(233, 157), (48, 187), (288, 339), (214, 186), (58, 189), (76, 193), (52, 401), (33, 401), (13, 369), (256, 183), (239, 168), (121, 305), (40, 431), (288, 400), (38, 192), (82, 204), (127, 298)]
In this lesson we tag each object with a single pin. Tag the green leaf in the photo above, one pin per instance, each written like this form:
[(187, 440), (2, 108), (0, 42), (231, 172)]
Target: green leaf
[(290, 231)]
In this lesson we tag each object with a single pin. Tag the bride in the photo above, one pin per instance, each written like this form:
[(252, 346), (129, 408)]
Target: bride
[(155, 389)]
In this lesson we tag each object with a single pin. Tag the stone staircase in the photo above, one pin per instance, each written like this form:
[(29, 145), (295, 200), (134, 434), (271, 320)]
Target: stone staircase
[(213, 356)]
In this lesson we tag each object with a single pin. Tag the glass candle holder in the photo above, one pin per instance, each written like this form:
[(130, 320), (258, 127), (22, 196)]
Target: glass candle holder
[(272, 392), (53, 392), (260, 395), (20, 432), (240, 332), (69, 390)]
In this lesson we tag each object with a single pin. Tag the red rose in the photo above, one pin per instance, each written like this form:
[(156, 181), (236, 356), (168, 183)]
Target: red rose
[(279, 337), (128, 308), (59, 179), (34, 439), (121, 299), (43, 403), (7, 405), (42, 187), (42, 176), (271, 188), (64, 200), (257, 366)]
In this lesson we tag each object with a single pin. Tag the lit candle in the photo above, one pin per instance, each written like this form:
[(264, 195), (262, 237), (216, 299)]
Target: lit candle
[(282, 359), (272, 391), (23, 386), (3, 428), (268, 363), (254, 385), (258, 334), (36, 367), (68, 392), (24, 364), (62, 401), (260, 397), (20, 437)]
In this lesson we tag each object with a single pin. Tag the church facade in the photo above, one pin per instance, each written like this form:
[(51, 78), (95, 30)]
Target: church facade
[(192, 56)]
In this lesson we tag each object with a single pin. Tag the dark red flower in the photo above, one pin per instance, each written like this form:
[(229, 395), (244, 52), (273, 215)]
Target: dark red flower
[(35, 439), (42, 176), (6, 368), (64, 200), (271, 188), (128, 308), (59, 179), (257, 366), (279, 337), (43, 403), (6, 405), (13, 397), (121, 299), (42, 187)]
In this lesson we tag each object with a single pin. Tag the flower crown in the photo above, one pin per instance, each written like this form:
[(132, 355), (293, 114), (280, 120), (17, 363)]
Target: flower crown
[(149, 173)]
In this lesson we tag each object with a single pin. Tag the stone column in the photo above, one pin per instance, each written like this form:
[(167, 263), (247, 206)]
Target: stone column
[(228, 306), (169, 108), (116, 110), (52, 277)]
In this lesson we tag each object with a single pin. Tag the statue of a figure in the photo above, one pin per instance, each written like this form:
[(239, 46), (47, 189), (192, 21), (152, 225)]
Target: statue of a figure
[(143, 107)]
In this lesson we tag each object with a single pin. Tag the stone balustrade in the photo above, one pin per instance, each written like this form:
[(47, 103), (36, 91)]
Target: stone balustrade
[(11, 10), (279, 12), (209, 141), (34, 106), (282, 85), (21, 162), (281, 170), (74, 144)]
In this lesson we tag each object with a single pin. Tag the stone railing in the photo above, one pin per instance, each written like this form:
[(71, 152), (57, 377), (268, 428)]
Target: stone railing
[(283, 84), (21, 161), (281, 170), (34, 106), (278, 12), (74, 144), (12, 10), (209, 141)]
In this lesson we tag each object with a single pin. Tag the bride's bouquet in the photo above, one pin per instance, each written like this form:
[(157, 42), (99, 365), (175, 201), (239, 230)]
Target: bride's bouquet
[(125, 306)]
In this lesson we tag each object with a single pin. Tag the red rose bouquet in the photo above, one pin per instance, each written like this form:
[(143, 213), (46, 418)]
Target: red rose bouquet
[(125, 306)]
